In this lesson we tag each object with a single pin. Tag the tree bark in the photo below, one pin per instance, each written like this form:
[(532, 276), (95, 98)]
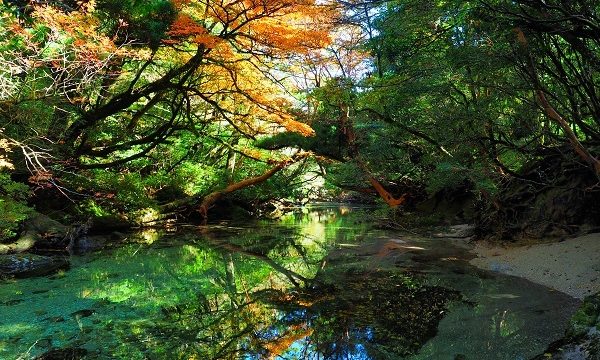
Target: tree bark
[(383, 193), (347, 132)]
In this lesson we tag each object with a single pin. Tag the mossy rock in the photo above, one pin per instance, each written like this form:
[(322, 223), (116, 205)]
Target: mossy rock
[(587, 316), (582, 338), (63, 354), (30, 265)]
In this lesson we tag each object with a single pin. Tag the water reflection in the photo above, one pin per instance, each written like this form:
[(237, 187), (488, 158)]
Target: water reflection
[(318, 284)]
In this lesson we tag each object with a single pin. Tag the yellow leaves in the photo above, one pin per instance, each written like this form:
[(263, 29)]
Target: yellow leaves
[(78, 28), (179, 4), (298, 127), (252, 153), (245, 43), (284, 38), (86, 6), (4, 150)]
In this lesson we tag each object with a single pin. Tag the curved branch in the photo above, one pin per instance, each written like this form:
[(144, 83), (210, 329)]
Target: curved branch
[(213, 197)]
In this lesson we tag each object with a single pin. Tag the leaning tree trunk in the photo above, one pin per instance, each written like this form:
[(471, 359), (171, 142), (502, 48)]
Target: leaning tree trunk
[(383, 193), (347, 131), (213, 197), (203, 204)]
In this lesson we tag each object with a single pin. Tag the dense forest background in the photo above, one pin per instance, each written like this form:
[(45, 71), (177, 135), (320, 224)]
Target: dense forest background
[(159, 110)]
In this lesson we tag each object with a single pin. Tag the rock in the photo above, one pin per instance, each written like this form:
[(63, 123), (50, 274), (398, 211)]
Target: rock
[(29, 265), (42, 233), (27, 240), (462, 231), (90, 243), (587, 317), (109, 223), (63, 354), (42, 224), (83, 313), (54, 319), (582, 338), (12, 302), (503, 268)]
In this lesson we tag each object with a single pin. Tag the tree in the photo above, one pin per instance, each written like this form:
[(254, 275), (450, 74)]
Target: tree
[(554, 48), (115, 83)]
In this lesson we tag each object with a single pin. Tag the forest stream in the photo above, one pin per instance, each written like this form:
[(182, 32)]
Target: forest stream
[(318, 283)]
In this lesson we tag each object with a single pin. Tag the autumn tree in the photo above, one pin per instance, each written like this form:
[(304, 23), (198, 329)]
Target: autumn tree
[(114, 83)]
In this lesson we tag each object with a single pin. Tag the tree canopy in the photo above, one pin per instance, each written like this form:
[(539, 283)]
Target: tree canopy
[(124, 106)]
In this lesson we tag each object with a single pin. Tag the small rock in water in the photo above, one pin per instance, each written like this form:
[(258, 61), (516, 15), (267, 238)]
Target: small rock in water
[(462, 231), (55, 319), (12, 302), (83, 313), (40, 291), (63, 354), (503, 296)]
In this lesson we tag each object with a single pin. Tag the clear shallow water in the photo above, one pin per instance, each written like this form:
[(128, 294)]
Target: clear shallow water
[(319, 284)]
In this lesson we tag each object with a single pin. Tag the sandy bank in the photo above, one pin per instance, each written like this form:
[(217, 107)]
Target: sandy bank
[(571, 266)]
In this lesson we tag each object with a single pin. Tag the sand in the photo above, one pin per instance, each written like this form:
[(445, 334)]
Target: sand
[(571, 266)]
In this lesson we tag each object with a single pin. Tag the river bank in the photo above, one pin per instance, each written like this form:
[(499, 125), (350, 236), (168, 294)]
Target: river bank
[(570, 266)]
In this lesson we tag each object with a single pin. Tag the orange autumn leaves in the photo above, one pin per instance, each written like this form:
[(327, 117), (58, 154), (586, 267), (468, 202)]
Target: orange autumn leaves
[(247, 45), (256, 25), (187, 28), (247, 42)]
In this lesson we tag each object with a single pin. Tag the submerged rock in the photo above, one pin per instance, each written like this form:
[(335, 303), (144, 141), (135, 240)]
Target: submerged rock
[(29, 265), (63, 354), (83, 313)]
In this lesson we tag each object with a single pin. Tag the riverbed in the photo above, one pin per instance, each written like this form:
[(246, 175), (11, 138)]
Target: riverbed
[(318, 283)]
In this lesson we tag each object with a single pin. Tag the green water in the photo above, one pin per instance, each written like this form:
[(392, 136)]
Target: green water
[(317, 284)]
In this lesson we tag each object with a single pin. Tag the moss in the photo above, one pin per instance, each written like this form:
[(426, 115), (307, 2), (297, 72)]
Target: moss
[(585, 317)]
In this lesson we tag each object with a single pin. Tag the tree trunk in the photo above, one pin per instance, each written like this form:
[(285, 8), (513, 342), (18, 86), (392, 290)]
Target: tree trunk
[(383, 193), (347, 131), (213, 197), (575, 143)]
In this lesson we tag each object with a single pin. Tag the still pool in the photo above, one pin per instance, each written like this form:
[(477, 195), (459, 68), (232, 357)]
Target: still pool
[(319, 283)]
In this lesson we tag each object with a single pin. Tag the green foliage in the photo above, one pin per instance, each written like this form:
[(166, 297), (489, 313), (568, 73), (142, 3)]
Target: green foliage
[(448, 100), (453, 175), (13, 207), (146, 21), (326, 140), (127, 192)]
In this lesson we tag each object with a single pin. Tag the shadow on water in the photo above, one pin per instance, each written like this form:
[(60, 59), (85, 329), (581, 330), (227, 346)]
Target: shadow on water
[(317, 284)]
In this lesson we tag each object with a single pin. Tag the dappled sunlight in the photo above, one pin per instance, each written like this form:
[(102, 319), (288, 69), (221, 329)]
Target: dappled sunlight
[(296, 179), (315, 285)]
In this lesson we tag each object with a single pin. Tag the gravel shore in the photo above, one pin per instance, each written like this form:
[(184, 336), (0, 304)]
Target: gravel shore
[(571, 266)]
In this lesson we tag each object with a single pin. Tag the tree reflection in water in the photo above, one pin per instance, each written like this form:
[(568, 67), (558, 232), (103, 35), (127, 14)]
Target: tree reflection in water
[(298, 303)]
